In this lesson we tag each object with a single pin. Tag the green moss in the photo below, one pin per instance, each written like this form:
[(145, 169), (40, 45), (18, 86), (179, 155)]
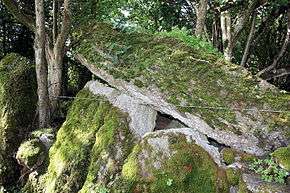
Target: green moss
[(282, 157), (40, 132), (228, 155), (30, 153), (243, 187), (90, 147), (17, 104), (248, 158), (73, 145), (113, 144), (188, 169), (233, 176)]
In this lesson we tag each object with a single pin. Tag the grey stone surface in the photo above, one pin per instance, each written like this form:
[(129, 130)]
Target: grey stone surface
[(192, 135), (256, 185), (142, 116)]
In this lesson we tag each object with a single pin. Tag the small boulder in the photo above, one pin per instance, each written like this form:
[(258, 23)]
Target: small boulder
[(31, 154), (282, 157), (171, 162)]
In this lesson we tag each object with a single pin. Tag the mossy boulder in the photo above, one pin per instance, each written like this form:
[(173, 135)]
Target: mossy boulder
[(90, 147), (17, 103), (31, 154), (282, 157), (235, 106), (168, 162)]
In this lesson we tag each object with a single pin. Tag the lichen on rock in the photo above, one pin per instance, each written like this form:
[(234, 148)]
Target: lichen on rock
[(17, 104)]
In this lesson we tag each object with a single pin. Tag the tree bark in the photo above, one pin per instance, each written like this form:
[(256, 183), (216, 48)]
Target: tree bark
[(55, 9), (249, 40), (55, 58), (41, 66), (201, 12), (216, 32), (282, 51), (227, 34)]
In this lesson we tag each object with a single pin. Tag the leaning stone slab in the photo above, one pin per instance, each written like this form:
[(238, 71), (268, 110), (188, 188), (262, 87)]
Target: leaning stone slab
[(195, 86)]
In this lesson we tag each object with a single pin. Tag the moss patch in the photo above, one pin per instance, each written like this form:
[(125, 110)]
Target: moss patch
[(233, 176), (31, 153), (282, 156), (90, 147), (228, 155), (183, 167), (112, 146), (17, 104)]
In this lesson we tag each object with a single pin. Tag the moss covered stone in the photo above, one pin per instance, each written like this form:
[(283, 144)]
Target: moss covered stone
[(188, 76), (168, 163), (31, 153), (90, 146), (17, 110), (282, 156)]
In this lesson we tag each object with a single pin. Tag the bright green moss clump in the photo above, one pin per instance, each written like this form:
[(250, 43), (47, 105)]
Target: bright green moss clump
[(228, 155), (167, 163), (282, 156), (86, 144), (31, 153), (113, 144), (17, 110)]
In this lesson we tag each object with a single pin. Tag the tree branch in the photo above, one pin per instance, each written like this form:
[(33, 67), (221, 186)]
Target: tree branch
[(277, 73), (25, 19), (282, 51), (64, 31)]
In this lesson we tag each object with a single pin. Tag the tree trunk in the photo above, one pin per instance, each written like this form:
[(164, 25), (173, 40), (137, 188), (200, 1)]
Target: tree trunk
[(201, 12), (54, 20), (41, 66), (216, 32), (248, 45), (227, 35), (55, 64), (55, 58)]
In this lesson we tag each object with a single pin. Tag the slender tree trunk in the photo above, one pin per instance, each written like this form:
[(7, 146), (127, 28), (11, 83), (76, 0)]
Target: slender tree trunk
[(55, 57), (227, 35), (282, 51), (55, 77), (249, 41), (41, 66), (54, 20), (201, 12), (216, 32)]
